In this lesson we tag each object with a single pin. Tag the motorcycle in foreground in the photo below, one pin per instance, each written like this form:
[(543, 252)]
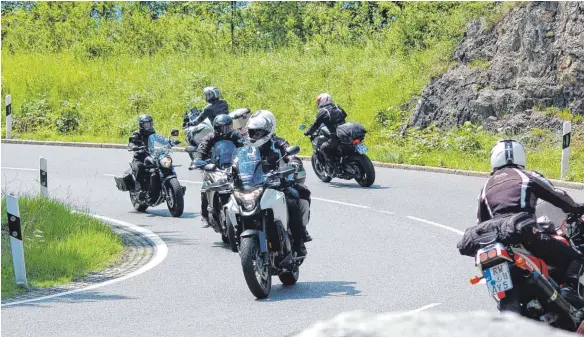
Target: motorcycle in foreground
[(259, 211), (162, 183), (507, 269), (217, 186), (353, 164)]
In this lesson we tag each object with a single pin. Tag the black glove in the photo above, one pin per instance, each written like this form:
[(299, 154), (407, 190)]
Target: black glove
[(306, 133)]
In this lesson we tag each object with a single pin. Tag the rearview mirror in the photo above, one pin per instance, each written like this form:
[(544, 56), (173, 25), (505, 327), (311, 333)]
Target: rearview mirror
[(174, 132), (199, 163), (190, 149), (302, 127), (292, 150)]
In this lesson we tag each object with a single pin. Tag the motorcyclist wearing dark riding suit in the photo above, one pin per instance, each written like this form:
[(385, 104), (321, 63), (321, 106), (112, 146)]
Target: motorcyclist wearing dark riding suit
[(331, 115), (140, 138), (260, 128), (215, 107), (223, 130), (512, 189)]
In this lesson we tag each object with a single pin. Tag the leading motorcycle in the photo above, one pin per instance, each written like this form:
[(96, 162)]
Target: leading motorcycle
[(162, 183), (511, 270), (258, 210)]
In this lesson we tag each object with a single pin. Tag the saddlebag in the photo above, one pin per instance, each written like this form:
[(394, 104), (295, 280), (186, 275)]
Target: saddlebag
[(125, 182), (504, 230), (350, 131)]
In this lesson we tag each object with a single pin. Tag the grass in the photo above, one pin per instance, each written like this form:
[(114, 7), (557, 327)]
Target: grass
[(59, 246)]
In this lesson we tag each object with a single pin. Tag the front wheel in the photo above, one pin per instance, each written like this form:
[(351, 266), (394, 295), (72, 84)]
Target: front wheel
[(175, 198), (320, 170), (257, 275), (367, 177)]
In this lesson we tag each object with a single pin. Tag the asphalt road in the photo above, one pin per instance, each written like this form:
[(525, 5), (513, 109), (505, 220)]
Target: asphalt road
[(372, 251)]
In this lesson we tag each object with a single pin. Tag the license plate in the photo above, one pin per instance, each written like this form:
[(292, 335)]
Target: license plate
[(498, 278), (361, 148)]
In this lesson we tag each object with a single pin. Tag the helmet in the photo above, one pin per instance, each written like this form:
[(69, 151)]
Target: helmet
[(211, 94), (261, 127), (146, 124), (508, 152), (223, 125), (323, 99)]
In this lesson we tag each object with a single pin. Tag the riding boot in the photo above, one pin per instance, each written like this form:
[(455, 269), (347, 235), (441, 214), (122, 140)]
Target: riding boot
[(300, 248), (139, 192), (204, 211), (307, 237)]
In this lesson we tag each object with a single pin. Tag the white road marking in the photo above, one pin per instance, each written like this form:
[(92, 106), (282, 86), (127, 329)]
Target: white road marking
[(390, 315), (18, 168), (426, 307), (388, 212), (182, 181), (340, 202), (109, 175), (160, 253), (459, 232)]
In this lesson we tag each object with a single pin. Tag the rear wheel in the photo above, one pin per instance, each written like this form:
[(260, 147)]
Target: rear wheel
[(175, 198), (231, 235), (138, 206), (257, 275), (290, 278), (367, 177), (320, 170)]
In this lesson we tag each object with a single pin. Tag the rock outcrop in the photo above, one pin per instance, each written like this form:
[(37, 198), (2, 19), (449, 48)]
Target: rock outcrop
[(532, 59)]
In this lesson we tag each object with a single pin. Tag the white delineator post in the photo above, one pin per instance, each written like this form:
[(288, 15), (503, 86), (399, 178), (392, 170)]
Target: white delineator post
[(566, 135), (16, 246), (8, 101), (43, 177)]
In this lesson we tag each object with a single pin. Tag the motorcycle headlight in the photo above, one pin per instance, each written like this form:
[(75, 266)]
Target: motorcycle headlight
[(248, 199), (166, 162)]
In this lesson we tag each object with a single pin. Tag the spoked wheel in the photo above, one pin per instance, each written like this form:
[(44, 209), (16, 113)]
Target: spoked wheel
[(175, 198), (320, 170), (257, 275), (290, 277), (139, 206), (367, 177)]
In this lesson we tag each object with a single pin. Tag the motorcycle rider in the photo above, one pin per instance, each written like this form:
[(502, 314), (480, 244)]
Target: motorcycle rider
[(260, 128), (140, 138), (512, 189), (215, 107), (331, 115), (222, 130)]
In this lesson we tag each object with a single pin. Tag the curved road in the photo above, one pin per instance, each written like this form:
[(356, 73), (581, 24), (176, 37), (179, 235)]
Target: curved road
[(388, 248)]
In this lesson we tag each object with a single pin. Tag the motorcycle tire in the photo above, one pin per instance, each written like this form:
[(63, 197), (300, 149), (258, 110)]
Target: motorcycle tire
[(260, 285), (319, 170), (290, 278), (368, 171), (175, 199), (138, 206), (231, 235)]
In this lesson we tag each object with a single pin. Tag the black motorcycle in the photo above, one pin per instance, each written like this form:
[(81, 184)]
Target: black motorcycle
[(162, 184), (217, 187), (353, 163)]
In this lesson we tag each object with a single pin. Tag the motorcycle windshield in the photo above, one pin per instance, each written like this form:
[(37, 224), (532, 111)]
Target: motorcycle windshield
[(158, 145), (222, 153), (248, 162)]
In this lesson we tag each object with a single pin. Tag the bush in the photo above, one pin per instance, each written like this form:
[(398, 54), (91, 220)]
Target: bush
[(69, 118), (32, 116)]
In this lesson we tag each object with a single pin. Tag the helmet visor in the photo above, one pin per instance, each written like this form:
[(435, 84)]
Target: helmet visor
[(223, 129), (257, 134), (148, 125)]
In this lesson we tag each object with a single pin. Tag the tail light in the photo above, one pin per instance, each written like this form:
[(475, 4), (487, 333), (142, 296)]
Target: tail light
[(356, 141), (492, 253)]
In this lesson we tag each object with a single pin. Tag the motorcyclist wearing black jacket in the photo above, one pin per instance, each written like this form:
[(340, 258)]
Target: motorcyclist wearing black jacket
[(260, 128), (139, 138), (215, 107), (510, 190), (223, 130), (331, 115)]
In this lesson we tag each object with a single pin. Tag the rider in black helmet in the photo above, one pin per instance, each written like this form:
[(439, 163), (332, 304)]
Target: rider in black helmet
[(140, 138), (215, 107), (223, 130)]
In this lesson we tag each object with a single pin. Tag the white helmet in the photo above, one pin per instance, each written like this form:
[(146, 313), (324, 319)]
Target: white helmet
[(261, 127), (323, 99), (508, 152), (211, 94)]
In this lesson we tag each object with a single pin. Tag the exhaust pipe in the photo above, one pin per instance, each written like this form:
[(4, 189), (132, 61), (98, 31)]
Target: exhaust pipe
[(551, 294)]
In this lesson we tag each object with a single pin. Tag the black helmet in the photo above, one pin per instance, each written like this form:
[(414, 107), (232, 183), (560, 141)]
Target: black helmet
[(146, 124), (223, 125), (211, 94)]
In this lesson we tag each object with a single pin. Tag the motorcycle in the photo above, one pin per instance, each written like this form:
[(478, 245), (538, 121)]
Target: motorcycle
[(512, 268), (162, 184), (354, 162), (259, 211), (217, 186)]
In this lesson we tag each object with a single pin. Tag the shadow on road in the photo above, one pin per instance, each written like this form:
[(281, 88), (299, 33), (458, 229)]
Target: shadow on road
[(221, 244), (355, 185), (305, 290), (152, 212), (81, 297), (176, 238)]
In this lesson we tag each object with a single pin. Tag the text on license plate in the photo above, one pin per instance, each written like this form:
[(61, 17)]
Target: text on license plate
[(362, 148), (498, 278)]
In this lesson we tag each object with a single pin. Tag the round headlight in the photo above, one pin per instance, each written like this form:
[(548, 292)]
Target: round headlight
[(166, 162)]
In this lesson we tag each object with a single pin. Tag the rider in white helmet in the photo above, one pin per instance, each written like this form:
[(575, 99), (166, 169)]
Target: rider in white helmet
[(215, 107), (511, 190), (261, 129)]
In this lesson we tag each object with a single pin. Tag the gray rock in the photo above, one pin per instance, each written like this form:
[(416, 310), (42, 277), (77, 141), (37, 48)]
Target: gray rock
[(533, 58), (431, 324)]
